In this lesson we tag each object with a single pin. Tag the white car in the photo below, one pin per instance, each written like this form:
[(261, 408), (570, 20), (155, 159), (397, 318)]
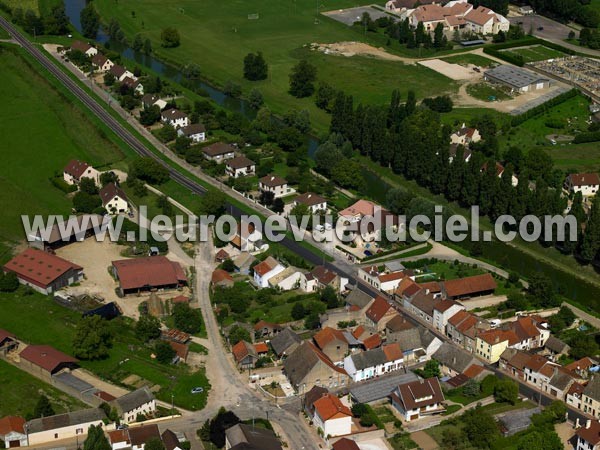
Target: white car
[(197, 390)]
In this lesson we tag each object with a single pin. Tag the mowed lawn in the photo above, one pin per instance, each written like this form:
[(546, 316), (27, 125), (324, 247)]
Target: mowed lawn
[(216, 36), (20, 392), (41, 132), (37, 319), (535, 53)]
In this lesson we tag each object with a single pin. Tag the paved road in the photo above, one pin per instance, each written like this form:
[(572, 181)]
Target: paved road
[(553, 31)]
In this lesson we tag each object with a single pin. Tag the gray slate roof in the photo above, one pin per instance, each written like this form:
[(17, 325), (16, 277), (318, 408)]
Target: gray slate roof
[(592, 389), (254, 438), (556, 345), (379, 388), (454, 358), (283, 340), (133, 400), (370, 358), (514, 76), (65, 420), (516, 421), (409, 339), (300, 363), (358, 298), (561, 380)]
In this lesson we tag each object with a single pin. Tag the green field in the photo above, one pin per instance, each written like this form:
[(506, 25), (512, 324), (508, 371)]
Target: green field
[(42, 131), (469, 58), (487, 92), (576, 157), (216, 36), (535, 53), (20, 392), (21, 315)]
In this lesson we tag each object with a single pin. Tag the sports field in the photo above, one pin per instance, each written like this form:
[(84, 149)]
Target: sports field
[(216, 36), (535, 53), (42, 131)]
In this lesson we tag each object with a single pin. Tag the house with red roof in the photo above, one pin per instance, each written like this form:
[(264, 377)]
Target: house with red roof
[(490, 344), (75, 170), (44, 361), (345, 444), (588, 436), (463, 328), (474, 286), (42, 271), (149, 273), (263, 328), (384, 281), (320, 277), (379, 313), (221, 278), (465, 135), (443, 310), (266, 270), (419, 398), (372, 342), (531, 333), (586, 183), (373, 363), (12, 432), (333, 343), (332, 416), (244, 354)]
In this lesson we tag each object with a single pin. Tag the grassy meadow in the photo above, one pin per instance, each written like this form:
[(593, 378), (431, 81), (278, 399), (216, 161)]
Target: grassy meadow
[(216, 36), (42, 131), (535, 53)]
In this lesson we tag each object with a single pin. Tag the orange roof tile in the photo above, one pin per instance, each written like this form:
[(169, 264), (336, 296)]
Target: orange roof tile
[(473, 370), (328, 335), (378, 309), (330, 407), (261, 347), (9, 424), (393, 352), (372, 342)]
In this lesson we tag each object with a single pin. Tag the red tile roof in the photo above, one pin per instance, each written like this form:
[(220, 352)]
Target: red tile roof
[(105, 396), (176, 335), (118, 436), (432, 286), (181, 350), (38, 267), (378, 309), (330, 407), (345, 444), (391, 276), (264, 324), (10, 424), (328, 335), (372, 342), (180, 299), (584, 179), (220, 275), (46, 357), (241, 350), (444, 305), (323, 275), (222, 255), (493, 337), (76, 168), (592, 434), (360, 208), (265, 266), (5, 335), (470, 285), (393, 352), (458, 317), (525, 328), (310, 199), (473, 370), (581, 364), (110, 191), (218, 148), (150, 271), (261, 347), (358, 331), (272, 181), (420, 393)]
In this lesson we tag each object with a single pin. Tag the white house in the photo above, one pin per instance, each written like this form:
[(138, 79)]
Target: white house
[(442, 311), (240, 166), (265, 270), (114, 199), (175, 118), (586, 183), (76, 170), (84, 48), (12, 432), (130, 405), (120, 73), (196, 132), (63, 426), (419, 398), (482, 20), (465, 135), (218, 152), (373, 363), (386, 282), (134, 84), (588, 436), (102, 63), (277, 185), (287, 280), (332, 416), (315, 203)]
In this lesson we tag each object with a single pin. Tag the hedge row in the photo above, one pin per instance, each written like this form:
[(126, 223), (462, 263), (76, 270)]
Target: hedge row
[(516, 59), (592, 136), (540, 109)]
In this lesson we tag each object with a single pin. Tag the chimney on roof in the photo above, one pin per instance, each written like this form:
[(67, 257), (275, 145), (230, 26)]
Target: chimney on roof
[(454, 360), (588, 423), (497, 339)]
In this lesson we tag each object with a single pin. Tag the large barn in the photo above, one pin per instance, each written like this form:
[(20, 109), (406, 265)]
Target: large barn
[(148, 274), (42, 271), (516, 78)]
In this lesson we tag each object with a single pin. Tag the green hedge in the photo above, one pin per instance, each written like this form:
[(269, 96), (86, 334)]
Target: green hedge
[(61, 184), (591, 136), (540, 109)]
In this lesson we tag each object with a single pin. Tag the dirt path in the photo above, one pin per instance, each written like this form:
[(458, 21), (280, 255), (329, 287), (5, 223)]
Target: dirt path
[(424, 441)]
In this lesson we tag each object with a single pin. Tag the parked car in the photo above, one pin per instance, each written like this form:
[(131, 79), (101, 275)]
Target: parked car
[(540, 28), (197, 390)]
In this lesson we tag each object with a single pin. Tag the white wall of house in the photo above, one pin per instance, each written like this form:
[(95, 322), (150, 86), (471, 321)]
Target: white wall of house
[(241, 171), (334, 427), (146, 408), (117, 204), (62, 433), (263, 281), (278, 191), (12, 438), (440, 319), (291, 282)]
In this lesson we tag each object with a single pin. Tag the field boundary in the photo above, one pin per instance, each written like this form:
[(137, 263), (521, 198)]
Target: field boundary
[(518, 60)]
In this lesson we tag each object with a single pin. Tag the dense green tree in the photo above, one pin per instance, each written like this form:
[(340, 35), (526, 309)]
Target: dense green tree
[(255, 67), (397, 200), (147, 47), (324, 96), (43, 408), (88, 185), (348, 174), (187, 319), (471, 388), (170, 38), (237, 334), (327, 156), (9, 282), (213, 203), (149, 170), (431, 369), (506, 391), (86, 203), (590, 243), (154, 444), (56, 22), (164, 352), (93, 338), (480, 428), (255, 98), (583, 345), (329, 297), (302, 79), (147, 327), (96, 439), (298, 311), (138, 43), (90, 21)]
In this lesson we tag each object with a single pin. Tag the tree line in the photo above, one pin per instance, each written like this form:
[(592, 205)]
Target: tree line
[(54, 22)]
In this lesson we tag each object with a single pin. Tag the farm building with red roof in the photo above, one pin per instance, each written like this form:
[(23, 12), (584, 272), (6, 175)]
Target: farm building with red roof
[(45, 361), (42, 271), (145, 274), (470, 286)]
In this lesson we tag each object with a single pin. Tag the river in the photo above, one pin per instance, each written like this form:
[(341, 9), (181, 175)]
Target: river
[(507, 257)]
